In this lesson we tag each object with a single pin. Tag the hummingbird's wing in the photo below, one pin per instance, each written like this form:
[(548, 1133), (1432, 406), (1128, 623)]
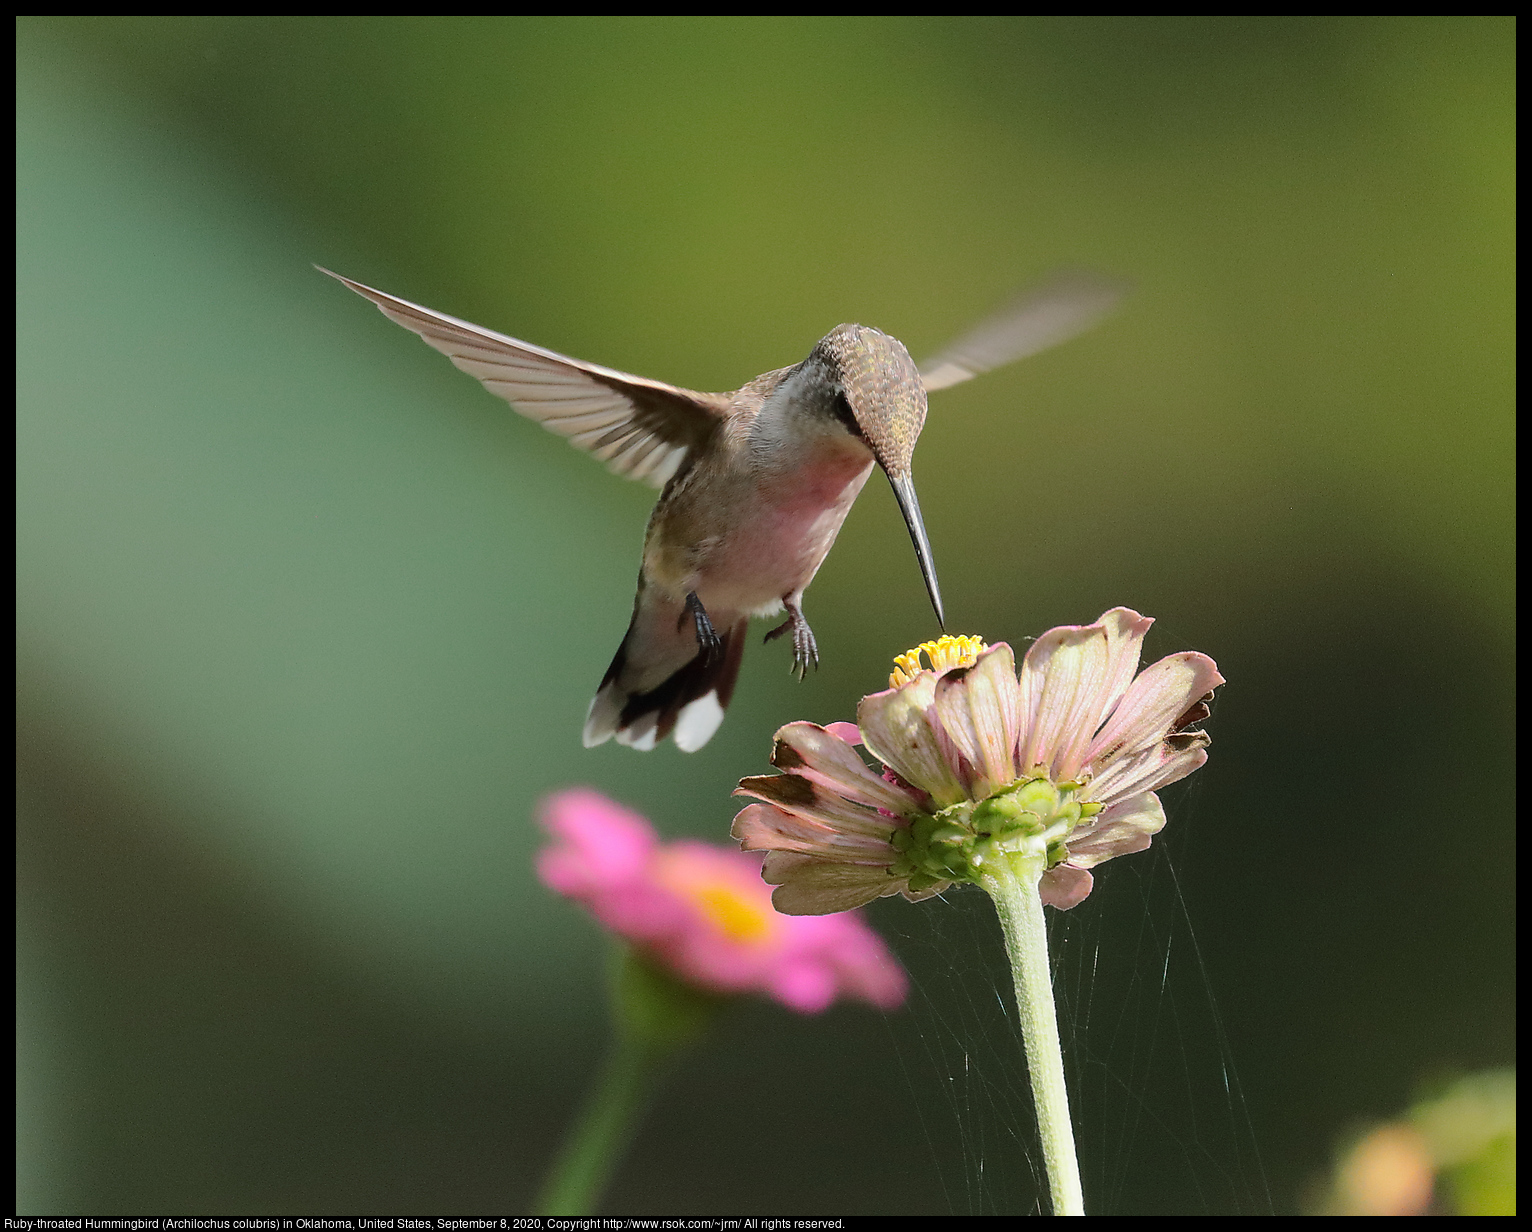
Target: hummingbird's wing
[(1068, 303), (640, 428)]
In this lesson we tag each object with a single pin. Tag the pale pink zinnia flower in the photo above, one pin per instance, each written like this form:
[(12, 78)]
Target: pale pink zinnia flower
[(704, 911), (1054, 768)]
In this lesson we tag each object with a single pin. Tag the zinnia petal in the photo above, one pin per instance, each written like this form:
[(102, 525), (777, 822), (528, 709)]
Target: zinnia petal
[(1163, 692), (806, 886), (1070, 680), (1125, 630), (1166, 762), (807, 987), (849, 732), (931, 891), (763, 827), (896, 729), (1064, 887), (864, 962), (1120, 830), (601, 843), (827, 758), (795, 794), (843, 950), (979, 711)]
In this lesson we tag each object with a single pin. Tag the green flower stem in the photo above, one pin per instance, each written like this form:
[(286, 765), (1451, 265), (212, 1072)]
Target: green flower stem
[(655, 1015), (596, 1144), (1026, 942)]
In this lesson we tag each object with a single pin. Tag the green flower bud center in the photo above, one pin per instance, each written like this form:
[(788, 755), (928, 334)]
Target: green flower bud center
[(1026, 824)]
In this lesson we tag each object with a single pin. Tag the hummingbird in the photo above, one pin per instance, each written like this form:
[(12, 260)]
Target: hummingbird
[(755, 483)]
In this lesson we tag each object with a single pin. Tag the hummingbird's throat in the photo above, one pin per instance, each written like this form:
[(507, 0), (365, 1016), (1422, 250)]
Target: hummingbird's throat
[(1024, 825), (945, 653)]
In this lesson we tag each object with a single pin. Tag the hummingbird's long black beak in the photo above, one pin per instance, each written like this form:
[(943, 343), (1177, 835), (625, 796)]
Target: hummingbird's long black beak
[(904, 493)]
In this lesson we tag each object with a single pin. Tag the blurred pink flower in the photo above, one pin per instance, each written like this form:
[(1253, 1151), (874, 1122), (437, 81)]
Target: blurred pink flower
[(1054, 767), (705, 912)]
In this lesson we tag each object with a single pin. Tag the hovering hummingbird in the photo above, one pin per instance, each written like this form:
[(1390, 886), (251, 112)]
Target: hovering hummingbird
[(756, 483)]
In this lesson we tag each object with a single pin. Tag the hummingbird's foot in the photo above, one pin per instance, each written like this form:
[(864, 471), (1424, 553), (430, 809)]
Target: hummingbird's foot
[(805, 648), (707, 636)]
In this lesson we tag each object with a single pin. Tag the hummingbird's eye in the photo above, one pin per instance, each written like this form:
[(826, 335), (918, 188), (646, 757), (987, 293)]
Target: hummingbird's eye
[(841, 409)]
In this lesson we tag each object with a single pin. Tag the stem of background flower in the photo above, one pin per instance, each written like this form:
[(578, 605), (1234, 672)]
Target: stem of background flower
[(1026, 942), (655, 1014), (596, 1143)]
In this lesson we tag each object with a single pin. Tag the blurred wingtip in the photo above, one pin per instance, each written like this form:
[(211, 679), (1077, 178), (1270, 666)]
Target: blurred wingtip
[(1065, 303)]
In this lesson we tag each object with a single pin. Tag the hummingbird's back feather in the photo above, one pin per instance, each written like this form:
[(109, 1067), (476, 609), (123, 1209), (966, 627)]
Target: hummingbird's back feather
[(660, 681), (640, 428)]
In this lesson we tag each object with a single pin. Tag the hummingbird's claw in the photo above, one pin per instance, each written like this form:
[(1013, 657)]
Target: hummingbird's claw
[(707, 636), (805, 648)]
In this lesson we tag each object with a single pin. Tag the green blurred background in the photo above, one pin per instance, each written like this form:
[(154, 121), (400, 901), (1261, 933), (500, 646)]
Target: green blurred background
[(308, 621)]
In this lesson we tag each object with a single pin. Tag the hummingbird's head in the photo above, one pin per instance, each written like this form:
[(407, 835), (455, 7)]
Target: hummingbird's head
[(886, 399), (882, 389)]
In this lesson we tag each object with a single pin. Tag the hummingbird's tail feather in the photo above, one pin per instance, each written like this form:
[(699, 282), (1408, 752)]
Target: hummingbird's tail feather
[(645, 696)]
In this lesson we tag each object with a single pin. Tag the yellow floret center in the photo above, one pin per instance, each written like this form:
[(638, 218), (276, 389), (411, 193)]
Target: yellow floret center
[(731, 914), (945, 653), (735, 904)]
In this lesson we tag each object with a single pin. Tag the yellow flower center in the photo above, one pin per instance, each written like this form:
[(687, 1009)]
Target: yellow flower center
[(738, 906), (736, 918), (945, 653)]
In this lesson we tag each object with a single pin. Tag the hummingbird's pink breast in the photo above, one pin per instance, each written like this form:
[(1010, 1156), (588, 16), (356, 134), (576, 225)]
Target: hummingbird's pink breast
[(782, 532)]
